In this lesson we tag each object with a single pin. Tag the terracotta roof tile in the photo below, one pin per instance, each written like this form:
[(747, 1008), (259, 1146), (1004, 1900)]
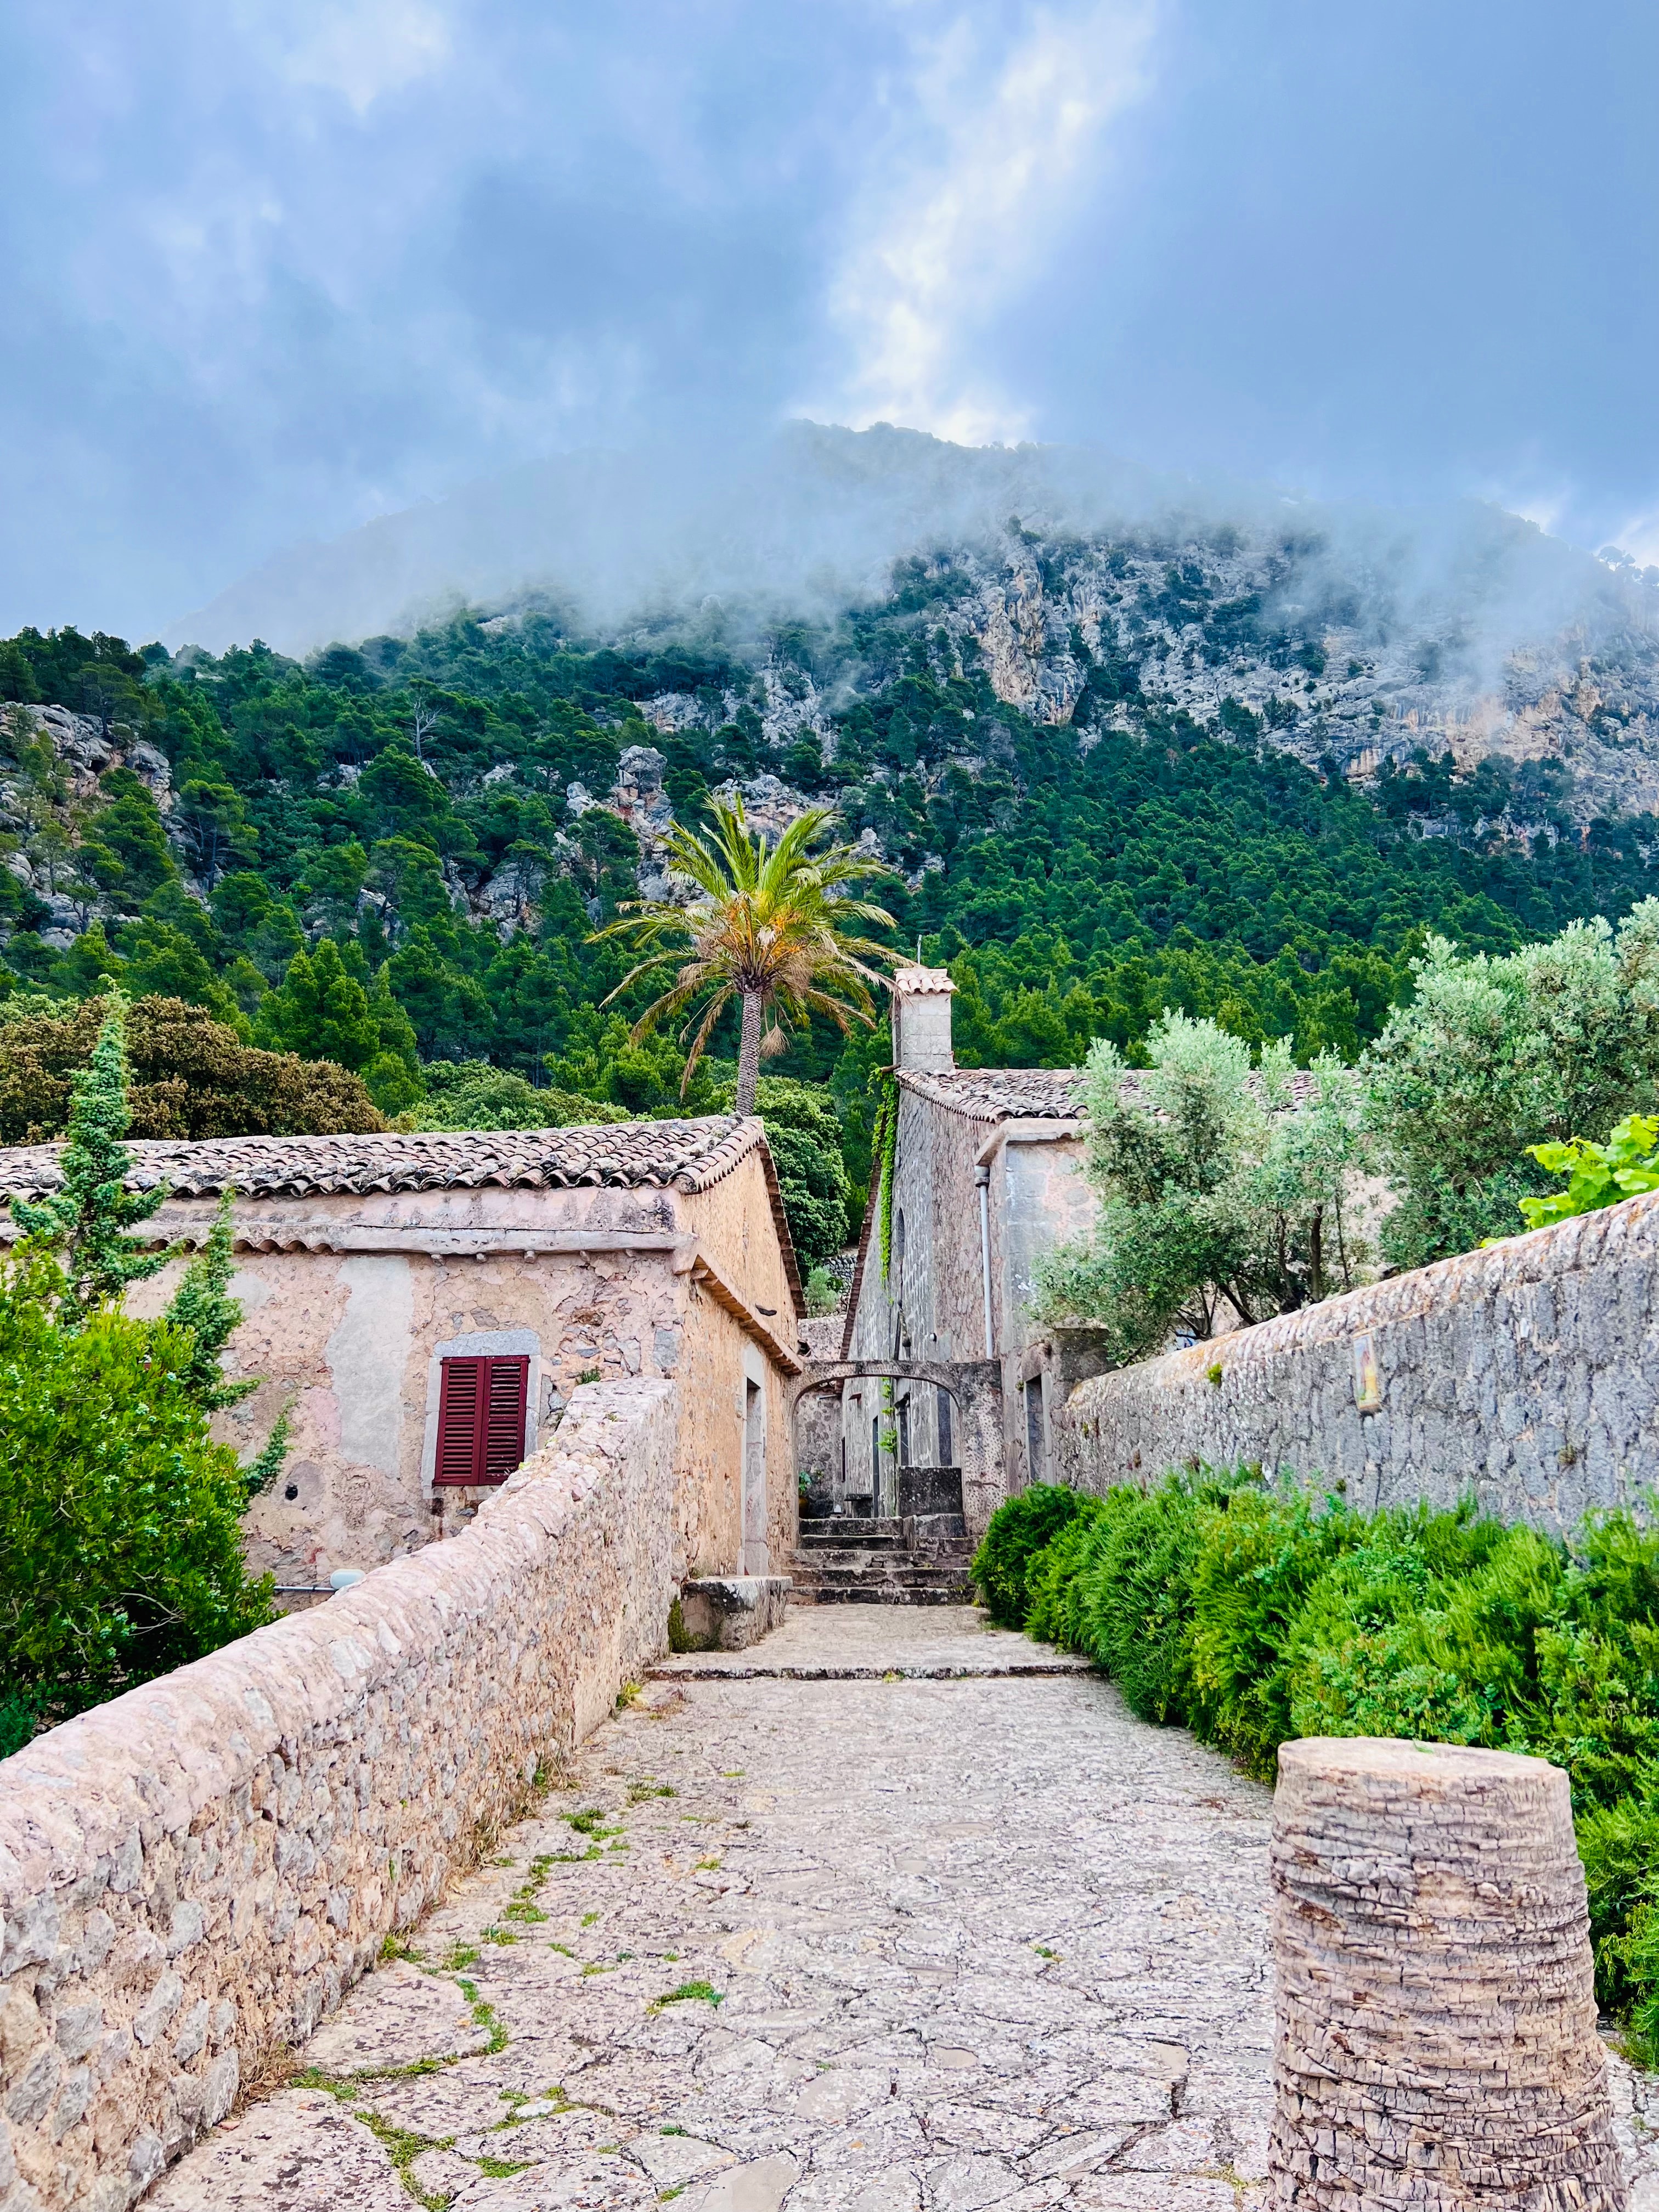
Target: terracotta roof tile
[(687, 1155), (1002, 1094), (999, 1094)]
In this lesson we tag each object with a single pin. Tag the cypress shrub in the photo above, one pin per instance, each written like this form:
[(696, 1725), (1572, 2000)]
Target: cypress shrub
[(1018, 1530)]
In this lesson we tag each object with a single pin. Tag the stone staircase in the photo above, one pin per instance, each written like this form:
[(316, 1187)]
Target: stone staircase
[(921, 1559)]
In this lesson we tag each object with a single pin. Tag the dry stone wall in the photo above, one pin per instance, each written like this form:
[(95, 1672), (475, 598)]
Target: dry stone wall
[(1526, 1375), (195, 1872)]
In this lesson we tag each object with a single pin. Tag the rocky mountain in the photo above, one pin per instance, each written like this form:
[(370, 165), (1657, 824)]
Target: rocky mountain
[(1352, 637), (1122, 745)]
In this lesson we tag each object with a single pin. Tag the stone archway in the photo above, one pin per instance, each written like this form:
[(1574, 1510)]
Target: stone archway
[(976, 1387)]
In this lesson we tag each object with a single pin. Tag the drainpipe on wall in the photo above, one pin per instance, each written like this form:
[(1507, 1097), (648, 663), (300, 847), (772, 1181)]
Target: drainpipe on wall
[(982, 1177)]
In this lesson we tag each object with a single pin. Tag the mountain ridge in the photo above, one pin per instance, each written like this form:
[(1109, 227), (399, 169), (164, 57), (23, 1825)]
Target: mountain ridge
[(1461, 630)]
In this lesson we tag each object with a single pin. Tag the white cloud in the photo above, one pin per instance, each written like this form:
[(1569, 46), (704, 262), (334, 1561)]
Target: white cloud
[(1638, 536), (982, 164), (361, 49)]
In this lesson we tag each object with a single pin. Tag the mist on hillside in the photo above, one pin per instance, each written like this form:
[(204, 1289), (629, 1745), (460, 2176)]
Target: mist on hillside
[(808, 520)]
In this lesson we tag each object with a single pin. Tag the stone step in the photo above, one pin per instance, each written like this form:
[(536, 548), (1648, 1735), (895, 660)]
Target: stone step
[(881, 1594), (883, 1535), (877, 1547), (855, 1524), (837, 1568), (846, 1575)]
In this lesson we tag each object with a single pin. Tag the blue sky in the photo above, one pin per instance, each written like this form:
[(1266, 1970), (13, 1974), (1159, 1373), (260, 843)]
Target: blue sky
[(272, 268)]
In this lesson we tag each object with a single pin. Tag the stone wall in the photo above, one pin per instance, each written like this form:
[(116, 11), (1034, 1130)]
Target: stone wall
[(1526, 1375), (196, 1871)]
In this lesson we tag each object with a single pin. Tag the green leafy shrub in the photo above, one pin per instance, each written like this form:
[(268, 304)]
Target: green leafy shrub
[(1136, 1603), (1020, 1529), (1251, 1578), (1491, 1056), (1597, 1700), (1598, 1174), (189, 1077), (1052, 1576), (120, 1549), (1620, 1846), (470, 1094), (1427, 1631), (803, 1132), (120, 1555), (1219, 1182), (1251, 1614)]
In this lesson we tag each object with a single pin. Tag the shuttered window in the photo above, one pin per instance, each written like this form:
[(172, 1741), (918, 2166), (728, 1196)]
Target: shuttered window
[(481, 1410)]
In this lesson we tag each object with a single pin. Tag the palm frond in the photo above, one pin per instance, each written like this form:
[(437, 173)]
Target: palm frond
[(767, 922)]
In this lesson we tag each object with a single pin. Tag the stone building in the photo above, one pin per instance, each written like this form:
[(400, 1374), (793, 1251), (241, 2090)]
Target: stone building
[(423, 1305), (987, 1174)]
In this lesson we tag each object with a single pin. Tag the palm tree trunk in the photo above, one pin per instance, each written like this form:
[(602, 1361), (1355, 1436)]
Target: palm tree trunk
[(749, 1053)]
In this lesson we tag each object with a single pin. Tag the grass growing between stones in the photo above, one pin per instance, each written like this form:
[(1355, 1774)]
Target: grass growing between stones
[(1252, 1614), (701, 1992)]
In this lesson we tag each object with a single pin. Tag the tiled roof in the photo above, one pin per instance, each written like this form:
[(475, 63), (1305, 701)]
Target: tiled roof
[(1043, 1094), (688, 1155), (999, 1094), (911, 982)]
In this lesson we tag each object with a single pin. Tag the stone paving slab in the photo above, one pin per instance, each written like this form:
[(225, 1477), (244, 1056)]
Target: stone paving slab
[(863, 1945), (869, 1643)]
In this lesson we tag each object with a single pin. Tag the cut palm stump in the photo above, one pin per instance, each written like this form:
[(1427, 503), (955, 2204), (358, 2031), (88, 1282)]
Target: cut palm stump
[(1435, 2044)]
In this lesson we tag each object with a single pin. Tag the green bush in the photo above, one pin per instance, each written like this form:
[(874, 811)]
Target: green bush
[(1053, 1579), (1020, 1529), (120, 1548), (803, 1132), (1258, 1560), (1251, 1614), (1597, 1174), (1136, 1603), (469, 1094)]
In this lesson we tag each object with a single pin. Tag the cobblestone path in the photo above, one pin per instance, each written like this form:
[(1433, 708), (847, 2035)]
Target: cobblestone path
[(831, 1945)]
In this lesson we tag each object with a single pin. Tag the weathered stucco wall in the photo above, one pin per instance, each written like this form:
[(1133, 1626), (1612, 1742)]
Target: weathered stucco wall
[(723, 1353), (197, 1870), (1527, 1375), (1038, 1199)]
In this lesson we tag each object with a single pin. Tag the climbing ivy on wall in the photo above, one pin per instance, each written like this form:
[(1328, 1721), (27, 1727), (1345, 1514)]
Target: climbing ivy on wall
[(884, 1149)]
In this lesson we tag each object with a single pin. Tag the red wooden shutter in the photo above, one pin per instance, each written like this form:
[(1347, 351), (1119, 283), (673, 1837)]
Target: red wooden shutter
[(503, 1421), (457, 1420), (481, 1410)]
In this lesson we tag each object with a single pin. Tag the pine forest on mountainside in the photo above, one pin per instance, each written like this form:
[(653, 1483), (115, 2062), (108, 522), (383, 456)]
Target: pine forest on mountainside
[(408, 803)]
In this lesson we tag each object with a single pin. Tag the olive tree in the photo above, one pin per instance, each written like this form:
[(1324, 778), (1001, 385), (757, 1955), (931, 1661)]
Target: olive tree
[(1225, 1189), (1494, 1054)]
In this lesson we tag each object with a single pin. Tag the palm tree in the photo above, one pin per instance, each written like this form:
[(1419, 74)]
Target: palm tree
[(765, 926)]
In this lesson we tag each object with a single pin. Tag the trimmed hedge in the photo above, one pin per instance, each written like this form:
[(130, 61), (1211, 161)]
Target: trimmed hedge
[(1020, 1529), (1252, 1614)]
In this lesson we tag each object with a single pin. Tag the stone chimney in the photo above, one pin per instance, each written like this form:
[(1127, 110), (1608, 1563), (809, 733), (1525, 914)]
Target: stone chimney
[(921, 1021)]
